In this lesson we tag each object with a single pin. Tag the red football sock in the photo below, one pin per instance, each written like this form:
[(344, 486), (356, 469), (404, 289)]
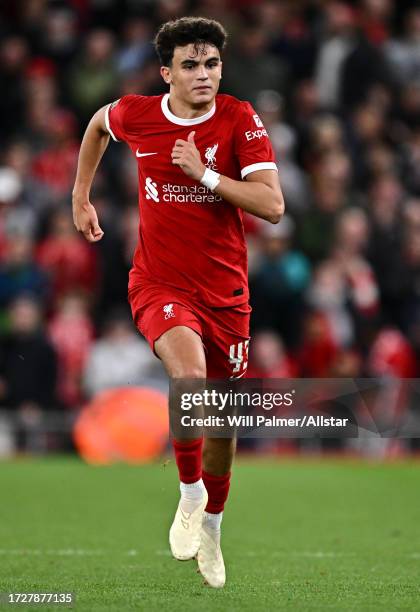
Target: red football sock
[(188, 459), (218, 490)]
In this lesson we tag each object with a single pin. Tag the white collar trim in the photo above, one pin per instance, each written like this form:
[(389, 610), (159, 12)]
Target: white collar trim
[(178, 120)]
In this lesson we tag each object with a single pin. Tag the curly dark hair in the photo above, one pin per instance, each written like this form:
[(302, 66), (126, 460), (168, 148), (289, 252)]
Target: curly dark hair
[(187, 30)]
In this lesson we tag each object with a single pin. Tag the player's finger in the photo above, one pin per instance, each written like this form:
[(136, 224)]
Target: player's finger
[(191, 137), (180, 142)]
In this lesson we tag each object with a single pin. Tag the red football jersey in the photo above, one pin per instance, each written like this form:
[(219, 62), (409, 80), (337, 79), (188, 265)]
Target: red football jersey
[(189, 237)]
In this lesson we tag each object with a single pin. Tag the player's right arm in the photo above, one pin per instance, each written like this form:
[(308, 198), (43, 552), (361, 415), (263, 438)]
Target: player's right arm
[(94, 143)]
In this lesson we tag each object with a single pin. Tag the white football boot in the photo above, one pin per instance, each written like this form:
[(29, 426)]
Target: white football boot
[(185, 533), (210, 558)]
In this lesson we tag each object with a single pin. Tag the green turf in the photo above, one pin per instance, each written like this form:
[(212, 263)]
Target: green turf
[(307, 535)]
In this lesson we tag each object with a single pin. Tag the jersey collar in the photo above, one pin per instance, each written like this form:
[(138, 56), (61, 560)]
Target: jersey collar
[(178, 120)]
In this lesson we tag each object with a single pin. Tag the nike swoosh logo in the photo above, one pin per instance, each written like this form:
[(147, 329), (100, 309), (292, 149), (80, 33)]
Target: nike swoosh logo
[(138, 154)]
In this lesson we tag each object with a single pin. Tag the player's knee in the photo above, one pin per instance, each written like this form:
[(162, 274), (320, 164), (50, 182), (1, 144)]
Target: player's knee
[(188, 371)]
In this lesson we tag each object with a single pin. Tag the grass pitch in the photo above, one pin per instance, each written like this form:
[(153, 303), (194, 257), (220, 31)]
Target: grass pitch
[(297, 535)]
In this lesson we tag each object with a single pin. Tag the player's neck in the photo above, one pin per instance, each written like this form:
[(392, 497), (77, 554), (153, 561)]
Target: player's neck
[(185, 111)]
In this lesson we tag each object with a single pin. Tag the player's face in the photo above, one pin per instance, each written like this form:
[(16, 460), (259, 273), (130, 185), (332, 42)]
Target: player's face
[(195, 74)]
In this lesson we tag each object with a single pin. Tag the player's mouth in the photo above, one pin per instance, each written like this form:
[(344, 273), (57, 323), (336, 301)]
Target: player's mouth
[(202, 88)]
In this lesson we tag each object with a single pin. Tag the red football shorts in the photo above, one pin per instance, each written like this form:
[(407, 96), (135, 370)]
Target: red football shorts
[(224, 331)]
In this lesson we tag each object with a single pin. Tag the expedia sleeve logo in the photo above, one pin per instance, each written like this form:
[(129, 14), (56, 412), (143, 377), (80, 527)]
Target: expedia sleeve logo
[(260, 133)]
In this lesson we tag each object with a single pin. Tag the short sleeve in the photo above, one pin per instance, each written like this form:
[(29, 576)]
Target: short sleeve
[(252, 144), (116, 116)]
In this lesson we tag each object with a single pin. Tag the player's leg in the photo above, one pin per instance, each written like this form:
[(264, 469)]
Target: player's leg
[(173, 332), (217, 462), (182, 353), (227, 357)]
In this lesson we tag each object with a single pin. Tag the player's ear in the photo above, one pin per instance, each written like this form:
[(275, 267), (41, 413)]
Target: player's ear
[(165, 73)]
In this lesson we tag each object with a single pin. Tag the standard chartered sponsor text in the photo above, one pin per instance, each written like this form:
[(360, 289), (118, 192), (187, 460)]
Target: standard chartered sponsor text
[(188, 194), (179, 194)]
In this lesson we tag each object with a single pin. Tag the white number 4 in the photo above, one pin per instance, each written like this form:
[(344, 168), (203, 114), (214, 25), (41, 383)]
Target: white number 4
[(238, 356)]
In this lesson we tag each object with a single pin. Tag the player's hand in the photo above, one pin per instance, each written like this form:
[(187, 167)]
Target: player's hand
[(186, 155), (86, 220)]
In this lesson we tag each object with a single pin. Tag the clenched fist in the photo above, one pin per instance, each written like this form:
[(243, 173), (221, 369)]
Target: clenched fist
[(186, 155)]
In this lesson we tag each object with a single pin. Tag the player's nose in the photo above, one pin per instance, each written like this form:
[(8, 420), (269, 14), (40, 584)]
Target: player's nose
[(202, 73)]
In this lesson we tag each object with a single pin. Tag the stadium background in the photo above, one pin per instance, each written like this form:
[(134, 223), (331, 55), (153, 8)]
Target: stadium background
[(335, 286)]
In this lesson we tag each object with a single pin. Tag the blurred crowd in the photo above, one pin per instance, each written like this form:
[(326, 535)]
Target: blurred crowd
[(335, 286)]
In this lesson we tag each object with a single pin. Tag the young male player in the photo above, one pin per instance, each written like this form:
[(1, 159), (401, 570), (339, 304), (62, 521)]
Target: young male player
[(202, 160)]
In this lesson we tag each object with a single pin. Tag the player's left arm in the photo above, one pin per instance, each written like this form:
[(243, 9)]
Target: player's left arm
[(259, 194)]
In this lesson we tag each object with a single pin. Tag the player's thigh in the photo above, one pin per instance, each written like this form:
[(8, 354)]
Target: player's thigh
[(227, 341), (171, 328), (182, 353)]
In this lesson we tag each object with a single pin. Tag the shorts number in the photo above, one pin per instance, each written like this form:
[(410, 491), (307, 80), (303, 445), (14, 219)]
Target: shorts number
[(238, 356)]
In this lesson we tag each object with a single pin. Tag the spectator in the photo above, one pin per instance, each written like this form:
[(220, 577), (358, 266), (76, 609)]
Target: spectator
[(404, 53), (67, 259), (19, 273), (375, 20), (328, 295), (264, 71), (364, 67), (93, 75), (318, 350), (339, 41), (391, 355), (71, 334), (268, 358), (316, 227), (351, 239), (13, 57), (279, 281), (62, 145), (28, 361), (33, 197), (384, 204), (136, 47), (119, 358), (10, 191), (59, 41), (41, 89)]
